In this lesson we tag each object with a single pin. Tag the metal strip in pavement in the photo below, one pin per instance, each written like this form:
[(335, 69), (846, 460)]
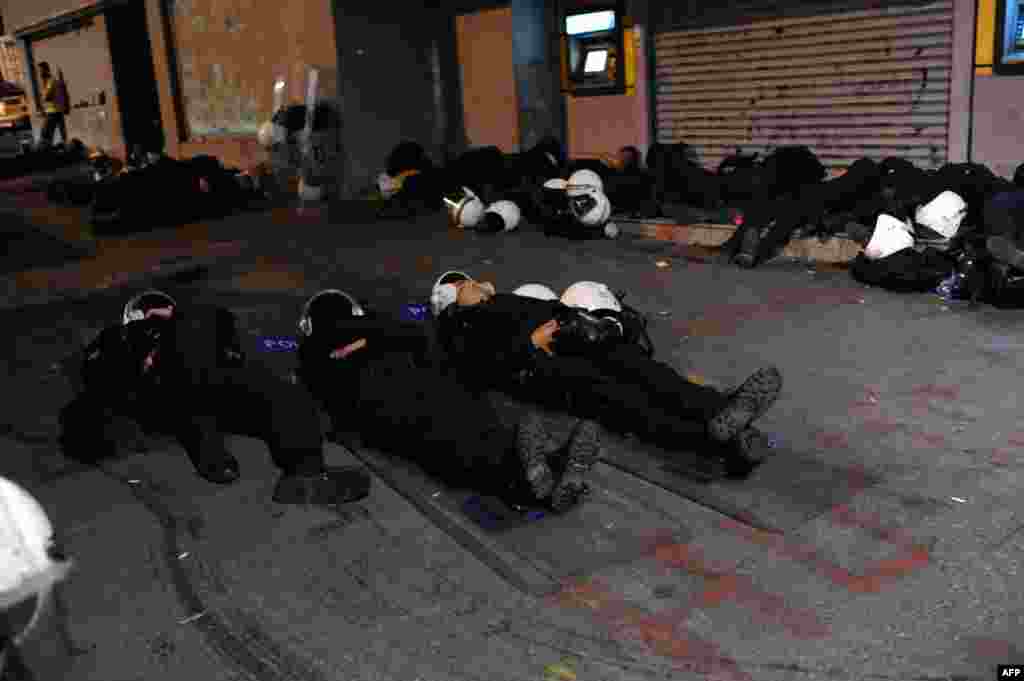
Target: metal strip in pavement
[(537, 555)]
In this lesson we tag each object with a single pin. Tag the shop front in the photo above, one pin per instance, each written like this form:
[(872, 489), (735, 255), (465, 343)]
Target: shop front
[(76, 45), (853, 80)]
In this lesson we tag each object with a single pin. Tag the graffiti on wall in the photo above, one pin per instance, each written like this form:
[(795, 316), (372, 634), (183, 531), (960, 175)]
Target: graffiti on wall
[(225, 90), (230, 52)]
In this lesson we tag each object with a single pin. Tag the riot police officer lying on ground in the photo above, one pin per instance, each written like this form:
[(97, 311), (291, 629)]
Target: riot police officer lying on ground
[(527, 346), (180, 370), (380, 379)]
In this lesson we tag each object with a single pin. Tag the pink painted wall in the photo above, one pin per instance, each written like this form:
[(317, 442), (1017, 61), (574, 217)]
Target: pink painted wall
[(998, 121), (603, 125), (489, 105)]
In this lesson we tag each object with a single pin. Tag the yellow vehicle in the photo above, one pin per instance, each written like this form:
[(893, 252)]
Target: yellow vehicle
[(14, 111)]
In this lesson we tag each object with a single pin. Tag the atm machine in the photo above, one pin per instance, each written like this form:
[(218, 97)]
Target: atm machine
[(598, 49)]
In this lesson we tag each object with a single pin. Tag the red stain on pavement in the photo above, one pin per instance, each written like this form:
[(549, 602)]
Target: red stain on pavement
[(845, 516), (662, 634), (722, 584), (692, 253), (659, 278), (33, 199), (880, 425), (929, 441), (992, 649), (832, 441), (816, 296), (1002, 457), (873, 580), (391, 265), (19, 185), (933, 391), (870, 399)]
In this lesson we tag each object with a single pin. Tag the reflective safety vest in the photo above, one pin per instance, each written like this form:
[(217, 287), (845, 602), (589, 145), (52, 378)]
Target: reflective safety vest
[(50, 96)]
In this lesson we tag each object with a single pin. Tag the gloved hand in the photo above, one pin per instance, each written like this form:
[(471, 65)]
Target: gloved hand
[(580, 332)]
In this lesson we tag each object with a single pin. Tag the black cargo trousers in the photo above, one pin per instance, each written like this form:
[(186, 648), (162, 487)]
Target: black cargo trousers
[(397, 398), (200, 390), (629, 392)]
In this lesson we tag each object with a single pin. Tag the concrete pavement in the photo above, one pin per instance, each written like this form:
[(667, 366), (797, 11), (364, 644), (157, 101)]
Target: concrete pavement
[(884, 539)]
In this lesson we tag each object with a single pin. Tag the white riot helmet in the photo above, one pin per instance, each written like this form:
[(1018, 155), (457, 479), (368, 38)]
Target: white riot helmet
[(591, 296), (350, 303), (271, 134), (502, 216), (30, 565), (583, 181), (890, 236), (591, 209), (538, 291), (444, 292), (135, 309), (943, 214), (465, 209)]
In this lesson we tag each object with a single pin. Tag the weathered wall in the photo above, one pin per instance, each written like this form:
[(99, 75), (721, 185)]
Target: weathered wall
[(84, 57), (489, 98), (227, 56), (19, 14), (604, 124), (998, 119), (998, 107)]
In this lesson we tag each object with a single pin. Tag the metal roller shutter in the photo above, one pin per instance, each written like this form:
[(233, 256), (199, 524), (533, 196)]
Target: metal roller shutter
[(872, 83)]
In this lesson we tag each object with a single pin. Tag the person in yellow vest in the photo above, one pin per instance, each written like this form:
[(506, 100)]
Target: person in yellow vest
[(53, 108)]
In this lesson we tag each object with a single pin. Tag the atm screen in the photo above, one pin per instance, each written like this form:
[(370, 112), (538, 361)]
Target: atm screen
[(1018, 38), (590, 22), (596, 61)]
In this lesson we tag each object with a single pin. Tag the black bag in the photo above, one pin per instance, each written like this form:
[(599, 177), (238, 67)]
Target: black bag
[(581, 332), (906, 271)]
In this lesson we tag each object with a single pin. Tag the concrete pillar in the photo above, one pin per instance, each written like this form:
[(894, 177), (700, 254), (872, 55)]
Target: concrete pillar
[(165, 68), (535, 63)]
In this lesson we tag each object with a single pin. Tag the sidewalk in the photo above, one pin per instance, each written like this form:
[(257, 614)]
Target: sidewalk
[(890, 523)]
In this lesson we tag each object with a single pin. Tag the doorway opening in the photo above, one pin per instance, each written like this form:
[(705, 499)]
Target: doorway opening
[(135, 77)]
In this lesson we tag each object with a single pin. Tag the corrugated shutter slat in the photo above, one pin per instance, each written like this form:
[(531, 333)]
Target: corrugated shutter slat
[(870, 83)]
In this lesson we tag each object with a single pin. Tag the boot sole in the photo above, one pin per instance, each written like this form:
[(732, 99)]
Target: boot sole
[(532, 445), (584, 451), (747, 256), (740, 462), (567, 493), (751, 401)]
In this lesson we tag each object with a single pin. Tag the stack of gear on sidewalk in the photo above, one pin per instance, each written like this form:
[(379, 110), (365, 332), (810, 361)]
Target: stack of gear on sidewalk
[(289, 144), (629, 187), (784, 193), (44, 160), (581, 354), (381, 379), (577, 208), (984, 260), (413, 185), (158, 191), (179, 370)]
